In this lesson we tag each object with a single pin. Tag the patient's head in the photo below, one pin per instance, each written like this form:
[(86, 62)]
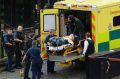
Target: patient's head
[(71, 36)]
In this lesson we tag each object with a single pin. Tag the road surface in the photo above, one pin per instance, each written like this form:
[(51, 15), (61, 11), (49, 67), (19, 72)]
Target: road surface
[(66, 72)]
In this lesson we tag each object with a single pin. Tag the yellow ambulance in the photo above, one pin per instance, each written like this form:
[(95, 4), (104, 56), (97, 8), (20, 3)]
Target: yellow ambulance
[(100, 17)]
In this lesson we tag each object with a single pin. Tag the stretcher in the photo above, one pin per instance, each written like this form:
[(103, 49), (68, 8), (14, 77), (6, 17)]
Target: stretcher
[(65, 53)]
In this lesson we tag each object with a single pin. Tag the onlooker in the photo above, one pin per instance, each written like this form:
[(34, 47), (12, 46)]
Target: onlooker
[(50, 64), (9, 47), (28, 44), (19, 42), (34, 54)]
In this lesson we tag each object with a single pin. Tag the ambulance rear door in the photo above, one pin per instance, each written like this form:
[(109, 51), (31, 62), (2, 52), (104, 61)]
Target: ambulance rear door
[(49, 19)]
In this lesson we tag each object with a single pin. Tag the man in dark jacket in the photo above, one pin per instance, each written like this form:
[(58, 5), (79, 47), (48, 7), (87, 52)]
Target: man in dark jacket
[(28, 44), (50, 64), (9, 47), (19, 44), (75, 26), (34, 54)]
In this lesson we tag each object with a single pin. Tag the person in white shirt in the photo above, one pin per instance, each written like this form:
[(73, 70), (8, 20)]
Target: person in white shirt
[(88, 49)]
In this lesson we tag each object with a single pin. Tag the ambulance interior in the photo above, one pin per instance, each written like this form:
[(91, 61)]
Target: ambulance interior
[(84, 16), (69, 51)]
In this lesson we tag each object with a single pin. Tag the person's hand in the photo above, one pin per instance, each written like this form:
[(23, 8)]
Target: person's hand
[(78, 45), (10, 44)]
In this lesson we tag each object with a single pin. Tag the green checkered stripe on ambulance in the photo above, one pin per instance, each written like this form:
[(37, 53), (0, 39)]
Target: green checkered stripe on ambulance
[(109, 40)]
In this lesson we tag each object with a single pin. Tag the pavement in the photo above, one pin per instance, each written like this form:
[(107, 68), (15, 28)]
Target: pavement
[(66, 72)]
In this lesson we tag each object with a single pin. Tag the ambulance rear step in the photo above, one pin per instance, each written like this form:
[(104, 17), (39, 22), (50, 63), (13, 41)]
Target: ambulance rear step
[(67, 58)]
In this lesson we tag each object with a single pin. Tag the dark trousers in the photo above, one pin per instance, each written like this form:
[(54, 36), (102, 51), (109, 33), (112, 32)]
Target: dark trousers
[(87, 67), (18, 55), (9, 60), (26, 69), (36, 71), (50, 66)]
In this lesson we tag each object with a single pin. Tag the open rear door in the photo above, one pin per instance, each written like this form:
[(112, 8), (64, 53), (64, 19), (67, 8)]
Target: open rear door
[(49, 19)]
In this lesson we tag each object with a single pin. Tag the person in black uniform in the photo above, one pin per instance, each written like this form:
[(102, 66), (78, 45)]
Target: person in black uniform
[(28, 41), (9, 47), (34, 54), (75, 26), (37, 38), (88, 49), (50, 64), (28, 44), (19, 44)]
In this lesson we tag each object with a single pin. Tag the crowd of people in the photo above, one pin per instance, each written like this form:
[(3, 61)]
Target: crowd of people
[(28, 50), (17, 46)]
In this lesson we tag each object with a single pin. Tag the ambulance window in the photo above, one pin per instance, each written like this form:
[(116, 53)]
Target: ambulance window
[(116, 21), (49, 22)]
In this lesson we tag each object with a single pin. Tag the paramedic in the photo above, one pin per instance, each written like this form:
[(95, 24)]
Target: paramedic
[(76, 26), (50, 64)]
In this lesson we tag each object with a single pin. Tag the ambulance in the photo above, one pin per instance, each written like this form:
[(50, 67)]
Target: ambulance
[(100, 17)]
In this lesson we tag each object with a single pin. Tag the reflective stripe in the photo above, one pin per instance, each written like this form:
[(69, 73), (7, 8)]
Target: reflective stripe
[(103, 37), (109, 40), (93, 17), (44, 54), (115, 39), (115, 34), (93, 27), (93, 37), (103, 46), (115, 44), (43, 49)]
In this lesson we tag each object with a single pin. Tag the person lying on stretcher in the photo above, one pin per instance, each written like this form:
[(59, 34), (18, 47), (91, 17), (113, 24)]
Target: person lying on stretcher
[(60, 43)]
